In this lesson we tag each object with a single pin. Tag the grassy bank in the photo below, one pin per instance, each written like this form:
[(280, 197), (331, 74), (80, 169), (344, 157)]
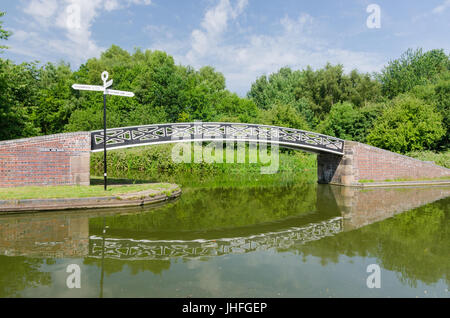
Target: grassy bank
[(155, 164), (55, 192), (439, 158)]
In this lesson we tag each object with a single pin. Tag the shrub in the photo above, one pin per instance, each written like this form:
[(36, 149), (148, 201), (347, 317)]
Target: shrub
[(407, 124)]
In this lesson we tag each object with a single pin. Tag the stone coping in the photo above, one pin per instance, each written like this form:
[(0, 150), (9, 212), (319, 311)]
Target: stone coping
[(140, 198), (44, 137)]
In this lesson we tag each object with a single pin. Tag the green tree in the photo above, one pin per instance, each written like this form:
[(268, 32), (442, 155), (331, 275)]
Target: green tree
[(348, 122), (313, 93), (413, 68), (283, 115), (438, 95), (18, 87), (4, 34), (55, 99), (407, 124)]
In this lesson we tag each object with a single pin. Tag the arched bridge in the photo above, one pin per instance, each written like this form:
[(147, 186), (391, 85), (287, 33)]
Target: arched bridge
[(199, 131), (64, 159)]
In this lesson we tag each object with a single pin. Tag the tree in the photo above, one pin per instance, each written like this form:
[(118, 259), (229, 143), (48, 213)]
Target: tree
[(55, 98), (18, 87), (413, 68), (4, 35), (438, 95), (283, 115), (278, 87), (313, 93), (407, 124), (348, 122)]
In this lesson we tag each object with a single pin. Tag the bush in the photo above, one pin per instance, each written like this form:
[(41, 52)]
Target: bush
[(407, 124), (348, 122), (283, 115)]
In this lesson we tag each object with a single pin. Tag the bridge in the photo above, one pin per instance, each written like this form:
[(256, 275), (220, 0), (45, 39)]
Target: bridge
[(64, 159), (234, 132)]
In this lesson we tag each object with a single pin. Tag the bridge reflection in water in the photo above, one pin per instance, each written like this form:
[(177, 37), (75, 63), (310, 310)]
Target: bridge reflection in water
[(335, 210), (146, 249)]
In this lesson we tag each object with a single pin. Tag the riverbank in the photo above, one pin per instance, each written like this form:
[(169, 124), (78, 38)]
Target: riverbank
[(31, 199), (154, 163)]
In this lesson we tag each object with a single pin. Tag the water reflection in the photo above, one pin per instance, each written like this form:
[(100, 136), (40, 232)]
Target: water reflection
[(320, 221)]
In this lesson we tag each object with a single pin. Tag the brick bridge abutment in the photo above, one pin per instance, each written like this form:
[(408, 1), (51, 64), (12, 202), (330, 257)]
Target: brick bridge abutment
[(64, 159), (364, 163), (61, 159)]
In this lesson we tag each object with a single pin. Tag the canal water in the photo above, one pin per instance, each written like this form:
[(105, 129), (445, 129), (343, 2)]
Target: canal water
[(303, 240)]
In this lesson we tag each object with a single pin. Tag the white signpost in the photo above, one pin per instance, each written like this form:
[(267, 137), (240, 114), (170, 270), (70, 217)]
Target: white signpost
[(105, 91)]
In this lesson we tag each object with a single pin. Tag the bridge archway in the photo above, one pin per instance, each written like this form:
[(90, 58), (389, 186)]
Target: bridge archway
[(126, 137)]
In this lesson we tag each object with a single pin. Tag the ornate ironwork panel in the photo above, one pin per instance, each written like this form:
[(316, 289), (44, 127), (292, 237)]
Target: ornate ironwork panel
[(148, 249), (169, 133)]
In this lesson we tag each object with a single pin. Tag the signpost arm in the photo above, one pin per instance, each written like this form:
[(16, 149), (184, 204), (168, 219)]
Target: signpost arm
[(104, 141), (106, 91)]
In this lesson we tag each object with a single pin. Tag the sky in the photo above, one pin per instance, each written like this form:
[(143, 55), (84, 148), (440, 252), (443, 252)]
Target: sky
[(243, 39)]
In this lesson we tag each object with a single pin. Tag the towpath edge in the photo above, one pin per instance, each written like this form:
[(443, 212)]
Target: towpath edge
[(131, 199)]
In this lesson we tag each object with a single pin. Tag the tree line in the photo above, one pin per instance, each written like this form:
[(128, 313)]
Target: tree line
[(403, 108)]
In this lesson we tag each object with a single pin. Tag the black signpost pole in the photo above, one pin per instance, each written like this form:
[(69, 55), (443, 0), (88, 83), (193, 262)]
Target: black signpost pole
[(104, 143), (105, 91)]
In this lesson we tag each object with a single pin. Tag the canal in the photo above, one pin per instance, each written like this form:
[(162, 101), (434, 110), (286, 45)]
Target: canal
[(302, 240)]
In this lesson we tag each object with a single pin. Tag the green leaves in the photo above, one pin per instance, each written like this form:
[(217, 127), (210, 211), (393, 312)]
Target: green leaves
[(4, 34), (411, 69), (407, 124)]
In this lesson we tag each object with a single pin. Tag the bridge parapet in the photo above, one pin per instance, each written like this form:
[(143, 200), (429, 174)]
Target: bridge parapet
[(199, 131), (362, 162)]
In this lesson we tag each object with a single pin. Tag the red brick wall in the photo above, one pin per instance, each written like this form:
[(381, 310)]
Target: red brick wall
[(61, 159), (371, 163), (364, 162)]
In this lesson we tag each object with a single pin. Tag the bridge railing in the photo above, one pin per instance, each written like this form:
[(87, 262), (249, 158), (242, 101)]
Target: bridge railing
[(213, 131)]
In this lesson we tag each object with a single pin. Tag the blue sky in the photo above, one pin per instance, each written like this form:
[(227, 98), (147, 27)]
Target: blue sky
[(243, 39)]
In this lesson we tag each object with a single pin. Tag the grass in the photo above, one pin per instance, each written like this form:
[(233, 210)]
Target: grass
[(95, 190), (366, 181), (155, 164), (405, 179), (420, 179), (441, 158)]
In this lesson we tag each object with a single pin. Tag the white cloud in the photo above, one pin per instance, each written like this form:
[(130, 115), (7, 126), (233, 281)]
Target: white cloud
[(442, 7), (41, 8), (295, 42), (74, 18), (214, 24)]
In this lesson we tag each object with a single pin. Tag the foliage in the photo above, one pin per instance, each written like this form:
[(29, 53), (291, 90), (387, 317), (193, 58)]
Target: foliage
[(4, 34), (413, 68), (441, 159), (283, 115), (313, 93), (18, 87), (154, 163), (407, 124), (54, 98), (348, 122)]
